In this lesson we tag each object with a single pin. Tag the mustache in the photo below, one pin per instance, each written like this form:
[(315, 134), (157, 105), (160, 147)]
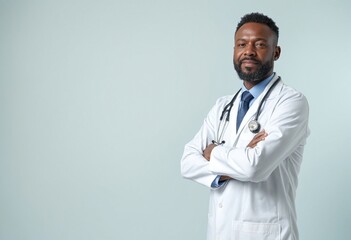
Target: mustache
[(249, 59)]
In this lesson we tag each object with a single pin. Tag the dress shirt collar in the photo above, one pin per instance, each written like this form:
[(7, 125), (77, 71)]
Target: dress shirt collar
[(259, 88)]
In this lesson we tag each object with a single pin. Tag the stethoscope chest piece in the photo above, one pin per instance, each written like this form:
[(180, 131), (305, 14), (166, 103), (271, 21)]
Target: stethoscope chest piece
[(254, 126)]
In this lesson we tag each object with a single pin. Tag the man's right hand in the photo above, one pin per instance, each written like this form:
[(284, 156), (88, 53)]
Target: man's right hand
[(261, 136)]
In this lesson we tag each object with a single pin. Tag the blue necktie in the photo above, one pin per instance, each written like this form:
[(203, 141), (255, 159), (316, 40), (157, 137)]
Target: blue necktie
[(246, 97)]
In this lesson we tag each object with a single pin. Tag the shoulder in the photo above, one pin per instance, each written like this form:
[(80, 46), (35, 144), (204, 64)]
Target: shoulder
[(290, 92), (224, 100), (290, 96), (220, 104)]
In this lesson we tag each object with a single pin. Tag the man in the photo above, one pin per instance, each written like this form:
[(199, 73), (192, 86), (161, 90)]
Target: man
[(252, 176)]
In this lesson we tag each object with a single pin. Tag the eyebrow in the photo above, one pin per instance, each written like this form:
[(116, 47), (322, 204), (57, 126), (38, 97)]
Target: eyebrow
[(256, 39)]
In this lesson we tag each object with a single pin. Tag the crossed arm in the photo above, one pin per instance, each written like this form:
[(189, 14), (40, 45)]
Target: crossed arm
[(256, 139)]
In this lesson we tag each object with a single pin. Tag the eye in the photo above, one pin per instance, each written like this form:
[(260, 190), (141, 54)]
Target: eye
[(241, 45), (261, 44)]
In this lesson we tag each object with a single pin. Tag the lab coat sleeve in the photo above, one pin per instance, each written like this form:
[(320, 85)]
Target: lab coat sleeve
[(193, 165), (287, 129)]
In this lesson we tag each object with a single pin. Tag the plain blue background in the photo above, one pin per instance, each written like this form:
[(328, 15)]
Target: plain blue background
[(98, 98)]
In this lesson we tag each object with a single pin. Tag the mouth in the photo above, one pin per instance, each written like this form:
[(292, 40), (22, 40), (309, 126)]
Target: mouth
[(249, 62)]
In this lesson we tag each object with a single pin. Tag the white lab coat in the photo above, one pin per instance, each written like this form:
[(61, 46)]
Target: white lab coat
[(259, 203)]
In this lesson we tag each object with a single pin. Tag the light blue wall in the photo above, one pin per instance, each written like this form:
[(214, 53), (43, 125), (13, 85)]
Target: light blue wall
[(98, 98)]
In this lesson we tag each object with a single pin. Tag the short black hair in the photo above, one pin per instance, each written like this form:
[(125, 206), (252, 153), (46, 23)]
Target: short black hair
[(258, 18)]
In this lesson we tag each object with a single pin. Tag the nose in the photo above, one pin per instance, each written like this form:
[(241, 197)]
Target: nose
[(249, 50)]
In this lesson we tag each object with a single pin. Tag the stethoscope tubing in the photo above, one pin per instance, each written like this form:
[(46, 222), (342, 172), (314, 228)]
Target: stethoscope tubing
[(227, 109)]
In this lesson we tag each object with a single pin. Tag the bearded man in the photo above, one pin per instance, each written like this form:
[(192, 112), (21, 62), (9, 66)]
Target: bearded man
[(249, 149)]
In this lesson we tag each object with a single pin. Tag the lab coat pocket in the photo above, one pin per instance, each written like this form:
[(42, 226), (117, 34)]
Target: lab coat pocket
[(255, 231)]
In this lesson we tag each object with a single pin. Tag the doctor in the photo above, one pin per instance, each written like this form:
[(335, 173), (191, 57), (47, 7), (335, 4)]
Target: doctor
[(252, 176)]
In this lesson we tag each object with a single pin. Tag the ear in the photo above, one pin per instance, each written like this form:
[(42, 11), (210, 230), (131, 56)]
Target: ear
[(277, 53)]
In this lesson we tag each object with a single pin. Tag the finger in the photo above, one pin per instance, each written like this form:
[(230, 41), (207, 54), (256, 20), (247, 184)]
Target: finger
[(262, 133), (257, 139), (261, 136)]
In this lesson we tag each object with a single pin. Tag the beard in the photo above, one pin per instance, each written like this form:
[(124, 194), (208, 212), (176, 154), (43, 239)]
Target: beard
[(260, 74)]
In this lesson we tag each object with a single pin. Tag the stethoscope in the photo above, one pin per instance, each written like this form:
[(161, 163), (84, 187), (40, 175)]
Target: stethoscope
[(254, 126)]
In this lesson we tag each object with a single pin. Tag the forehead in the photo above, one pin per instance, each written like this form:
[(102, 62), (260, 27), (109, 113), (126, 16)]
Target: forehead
[(254, 30)]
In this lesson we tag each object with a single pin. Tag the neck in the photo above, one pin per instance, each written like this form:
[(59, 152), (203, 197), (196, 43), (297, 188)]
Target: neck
[(251, 84)]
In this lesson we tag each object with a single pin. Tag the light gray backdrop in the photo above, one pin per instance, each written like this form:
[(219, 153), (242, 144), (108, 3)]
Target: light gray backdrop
[(98, 98)]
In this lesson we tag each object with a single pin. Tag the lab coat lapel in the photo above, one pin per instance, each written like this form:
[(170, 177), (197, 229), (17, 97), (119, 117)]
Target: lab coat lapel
[(254, 107), (249, 115), (230, 134)]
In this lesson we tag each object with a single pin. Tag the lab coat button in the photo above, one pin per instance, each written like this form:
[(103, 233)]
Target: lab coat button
[(220, 205)]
